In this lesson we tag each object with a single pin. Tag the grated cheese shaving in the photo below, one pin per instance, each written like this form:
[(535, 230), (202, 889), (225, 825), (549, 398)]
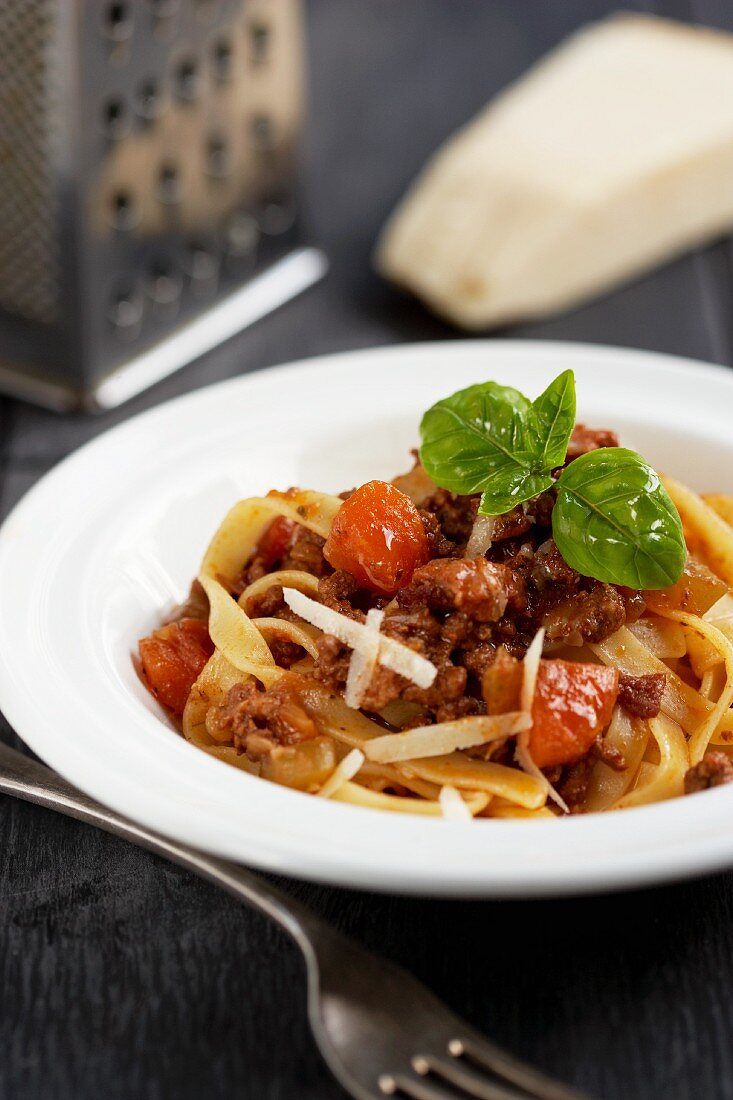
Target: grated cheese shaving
[(531, 667), (391, 653), (481, 536), (363, 662), (452, 805), (345, 770), (445, 737)]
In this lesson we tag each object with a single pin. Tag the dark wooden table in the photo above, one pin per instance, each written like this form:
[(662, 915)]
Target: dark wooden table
[(126, 978)]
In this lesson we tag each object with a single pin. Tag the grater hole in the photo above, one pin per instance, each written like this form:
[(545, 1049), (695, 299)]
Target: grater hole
[(147, 100), (259, 42), (123, 213), (169, 184), (115, 118), (222, 61), (218, 160), (263, 132), (243, 234), (277, 214), (202, 263), (164, 286), (125, 312), (186, 81), (117, 21)]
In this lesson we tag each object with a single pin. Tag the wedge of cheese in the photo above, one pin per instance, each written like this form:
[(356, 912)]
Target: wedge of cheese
[(610, 155)]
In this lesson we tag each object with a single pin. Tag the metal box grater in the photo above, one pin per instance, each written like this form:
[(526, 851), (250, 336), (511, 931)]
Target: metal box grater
[(147, 186)]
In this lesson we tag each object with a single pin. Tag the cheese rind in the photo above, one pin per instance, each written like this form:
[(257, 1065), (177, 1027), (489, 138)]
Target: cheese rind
[(610, 155)]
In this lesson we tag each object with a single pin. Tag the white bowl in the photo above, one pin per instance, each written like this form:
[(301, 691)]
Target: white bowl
[(112, 537)]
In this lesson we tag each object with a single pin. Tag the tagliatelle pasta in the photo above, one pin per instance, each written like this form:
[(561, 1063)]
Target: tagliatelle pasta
[(392, 650)]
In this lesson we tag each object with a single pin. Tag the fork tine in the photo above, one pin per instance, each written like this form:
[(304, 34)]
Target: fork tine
[(492, 1058), (464, 1078)]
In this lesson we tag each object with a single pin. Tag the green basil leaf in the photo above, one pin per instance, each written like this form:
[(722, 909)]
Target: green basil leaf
[(477, 437), (503, 493), (614, 520), (552, 420)]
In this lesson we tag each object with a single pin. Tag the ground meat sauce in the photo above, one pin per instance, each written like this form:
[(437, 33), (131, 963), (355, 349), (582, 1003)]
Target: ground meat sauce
[(455, 611), (714, 770), (256, 719), (586, 439), (459, 613), (642, 695)]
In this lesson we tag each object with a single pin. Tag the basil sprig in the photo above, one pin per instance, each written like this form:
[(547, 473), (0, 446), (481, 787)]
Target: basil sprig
[(613, 519), (491, 439)]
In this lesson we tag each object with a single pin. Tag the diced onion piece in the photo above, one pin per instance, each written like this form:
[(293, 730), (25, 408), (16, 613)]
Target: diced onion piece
[(392, 654), (531, 668), (445, 737), (662, 637), (345, 770), (628, 735), (482, 533), (363, 662), (680, 701), (453, 806), (722, 610)]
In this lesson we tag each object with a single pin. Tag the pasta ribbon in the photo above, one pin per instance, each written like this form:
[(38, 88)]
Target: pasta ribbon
[(665, 779), (629, 736), (702, 734), (236, 637), (357, 795), (710, 535)]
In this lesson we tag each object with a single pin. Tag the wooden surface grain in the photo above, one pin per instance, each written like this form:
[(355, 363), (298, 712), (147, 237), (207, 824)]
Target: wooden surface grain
[(126, 978)]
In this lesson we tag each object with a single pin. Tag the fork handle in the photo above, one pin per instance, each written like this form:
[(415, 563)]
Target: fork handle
[(31, 781)]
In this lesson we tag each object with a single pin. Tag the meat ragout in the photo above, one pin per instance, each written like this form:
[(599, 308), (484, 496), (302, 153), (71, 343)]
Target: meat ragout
[(401, 549), (459, 613)]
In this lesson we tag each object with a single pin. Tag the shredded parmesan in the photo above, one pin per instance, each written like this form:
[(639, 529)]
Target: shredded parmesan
[(391, 653), (531, 667), (482, 533), (342, 773), (445, 737), (363, 662), (452, 805)]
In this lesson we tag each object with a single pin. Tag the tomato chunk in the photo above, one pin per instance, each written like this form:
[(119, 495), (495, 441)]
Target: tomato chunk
[(172, 659), (572, 703), (274, 541), (378, 537)]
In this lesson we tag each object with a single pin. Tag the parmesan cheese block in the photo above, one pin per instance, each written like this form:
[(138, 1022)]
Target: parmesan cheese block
[(610, 155)]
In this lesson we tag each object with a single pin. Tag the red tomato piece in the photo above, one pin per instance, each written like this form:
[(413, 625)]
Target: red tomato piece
[(572, 703), (274, 541), (378, 537), (172, 659)]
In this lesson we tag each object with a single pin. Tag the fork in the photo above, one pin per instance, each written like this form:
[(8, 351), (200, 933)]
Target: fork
[(381, 1032)]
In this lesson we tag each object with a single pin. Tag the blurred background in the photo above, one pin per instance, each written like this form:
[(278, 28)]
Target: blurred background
[(337, 143)]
